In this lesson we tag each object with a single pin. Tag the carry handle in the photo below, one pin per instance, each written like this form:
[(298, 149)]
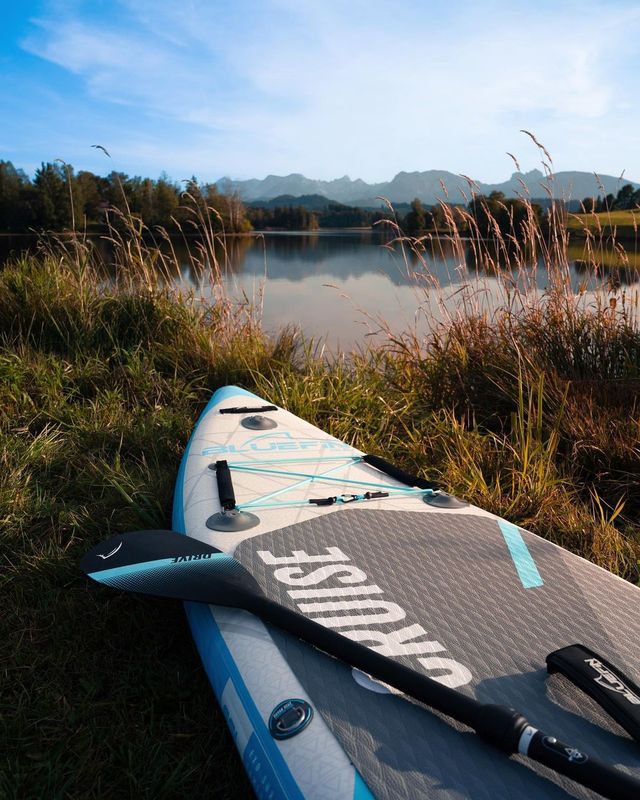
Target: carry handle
[(225, 486), (618, 695)]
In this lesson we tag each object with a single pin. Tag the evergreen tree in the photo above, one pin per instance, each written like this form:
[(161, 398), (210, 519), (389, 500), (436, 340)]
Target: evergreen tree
[(52, 204), (416, 219), (16, 199), (626, 198), (90, 189), (118, 191), (588, 205), (165, 202)]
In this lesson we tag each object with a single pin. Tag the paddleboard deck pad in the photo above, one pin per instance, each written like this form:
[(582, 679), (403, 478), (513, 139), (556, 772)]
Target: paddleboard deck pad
[(449, 590)]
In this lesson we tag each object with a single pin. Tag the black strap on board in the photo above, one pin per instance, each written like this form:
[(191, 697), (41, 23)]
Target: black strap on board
[(399, 474), (247, 410), (618, 695), (225, 486)]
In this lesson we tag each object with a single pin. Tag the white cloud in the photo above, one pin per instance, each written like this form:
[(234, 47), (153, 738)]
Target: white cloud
[(364, 88)]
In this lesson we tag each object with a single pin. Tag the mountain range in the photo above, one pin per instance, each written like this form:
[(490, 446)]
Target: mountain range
[(427, 186)]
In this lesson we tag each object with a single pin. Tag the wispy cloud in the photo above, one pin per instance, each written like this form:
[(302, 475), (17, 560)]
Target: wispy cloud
[(365, 88)]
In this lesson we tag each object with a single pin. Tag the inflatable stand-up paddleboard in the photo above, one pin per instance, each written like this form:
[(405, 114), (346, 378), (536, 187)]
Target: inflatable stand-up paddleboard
[(443, 587)]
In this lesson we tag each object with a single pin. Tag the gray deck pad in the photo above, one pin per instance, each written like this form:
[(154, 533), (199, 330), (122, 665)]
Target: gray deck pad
[(455, 576)]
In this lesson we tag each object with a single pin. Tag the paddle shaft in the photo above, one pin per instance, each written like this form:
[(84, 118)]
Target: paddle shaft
[(168, 564), (502, 727)]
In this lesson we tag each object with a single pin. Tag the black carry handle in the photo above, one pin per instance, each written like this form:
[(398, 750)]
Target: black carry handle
[(225, 486), (399, 474), (618, 695)]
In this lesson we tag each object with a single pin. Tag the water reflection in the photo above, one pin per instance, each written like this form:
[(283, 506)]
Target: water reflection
[(338, 284)]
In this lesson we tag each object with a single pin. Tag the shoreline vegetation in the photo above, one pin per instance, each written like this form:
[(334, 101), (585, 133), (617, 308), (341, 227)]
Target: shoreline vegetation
[(60, 200), (529, 409)]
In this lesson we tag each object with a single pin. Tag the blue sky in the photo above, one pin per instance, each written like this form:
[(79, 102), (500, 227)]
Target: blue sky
[(245, 88)]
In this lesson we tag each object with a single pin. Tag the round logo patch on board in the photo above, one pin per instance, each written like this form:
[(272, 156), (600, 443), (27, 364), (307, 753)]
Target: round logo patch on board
[(289, 718)]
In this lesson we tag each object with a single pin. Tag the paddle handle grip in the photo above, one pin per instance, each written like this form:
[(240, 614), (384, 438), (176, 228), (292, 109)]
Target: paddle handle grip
[(603, 778), (510, 732)]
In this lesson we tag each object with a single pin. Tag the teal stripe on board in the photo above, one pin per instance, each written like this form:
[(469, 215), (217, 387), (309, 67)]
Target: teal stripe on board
[(522, 558), (218, 396), (360, 789)]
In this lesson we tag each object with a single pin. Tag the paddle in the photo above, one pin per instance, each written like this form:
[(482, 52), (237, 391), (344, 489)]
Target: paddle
[(168, 564)]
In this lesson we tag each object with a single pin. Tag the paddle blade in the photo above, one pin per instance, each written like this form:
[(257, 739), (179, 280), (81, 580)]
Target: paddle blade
[(168, 564)]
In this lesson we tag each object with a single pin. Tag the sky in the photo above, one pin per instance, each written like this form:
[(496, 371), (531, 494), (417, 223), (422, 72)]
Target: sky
[(365, 88)]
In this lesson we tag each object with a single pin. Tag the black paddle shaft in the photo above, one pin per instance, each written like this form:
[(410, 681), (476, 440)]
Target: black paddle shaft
[(502, 727), (168, 564)]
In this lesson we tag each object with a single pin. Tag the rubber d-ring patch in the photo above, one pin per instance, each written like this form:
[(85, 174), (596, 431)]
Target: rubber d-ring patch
[(289, 718), (258, 423)]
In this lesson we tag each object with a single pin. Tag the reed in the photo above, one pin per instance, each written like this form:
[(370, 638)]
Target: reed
[(534, 388), (528, 407)]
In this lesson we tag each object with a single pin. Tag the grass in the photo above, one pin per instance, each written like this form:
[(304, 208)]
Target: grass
[(623, 223), (532, 411), (606, 243)]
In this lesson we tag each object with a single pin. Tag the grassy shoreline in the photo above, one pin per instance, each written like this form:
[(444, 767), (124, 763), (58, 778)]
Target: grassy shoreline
[(534, 415), (623, 225)]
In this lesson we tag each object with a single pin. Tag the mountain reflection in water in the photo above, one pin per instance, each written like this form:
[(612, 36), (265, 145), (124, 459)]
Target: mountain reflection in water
[(336, 285)]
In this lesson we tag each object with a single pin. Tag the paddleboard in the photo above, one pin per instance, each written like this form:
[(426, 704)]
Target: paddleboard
[(443, 587)]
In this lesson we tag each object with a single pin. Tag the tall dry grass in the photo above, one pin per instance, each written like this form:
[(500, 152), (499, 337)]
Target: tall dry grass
[(528, 407), (527, 377)]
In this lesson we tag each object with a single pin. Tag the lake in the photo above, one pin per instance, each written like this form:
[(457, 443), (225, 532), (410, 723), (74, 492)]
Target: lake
[(338, 285)]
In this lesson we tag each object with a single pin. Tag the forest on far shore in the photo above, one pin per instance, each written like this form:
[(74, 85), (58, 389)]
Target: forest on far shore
[(60, 199)]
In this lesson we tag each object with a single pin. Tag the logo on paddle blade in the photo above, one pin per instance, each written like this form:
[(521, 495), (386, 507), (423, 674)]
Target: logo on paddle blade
[(112, 553)]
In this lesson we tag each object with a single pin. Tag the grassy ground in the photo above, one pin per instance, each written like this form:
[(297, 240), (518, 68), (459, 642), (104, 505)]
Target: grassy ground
[(535, 416), (623, 224)]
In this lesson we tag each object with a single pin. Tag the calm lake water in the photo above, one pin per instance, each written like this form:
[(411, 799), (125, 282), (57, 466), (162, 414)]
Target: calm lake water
[(338, 285)]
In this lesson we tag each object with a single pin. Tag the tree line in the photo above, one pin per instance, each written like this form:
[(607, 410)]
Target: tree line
[(290, 218), (490, 214), (626, 199), (484, 215), (58, 199), (296, 217)]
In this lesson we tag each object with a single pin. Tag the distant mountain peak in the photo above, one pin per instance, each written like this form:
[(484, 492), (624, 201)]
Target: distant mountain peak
[(532, 175), (425, 185)]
